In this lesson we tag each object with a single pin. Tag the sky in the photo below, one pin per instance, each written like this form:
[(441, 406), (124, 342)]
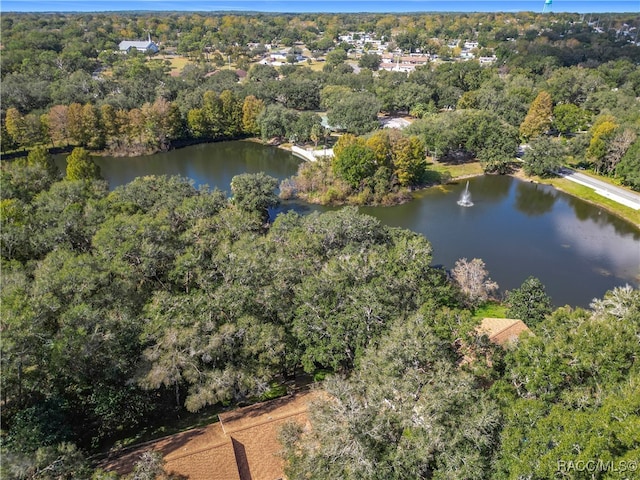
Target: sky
[(332, 6)]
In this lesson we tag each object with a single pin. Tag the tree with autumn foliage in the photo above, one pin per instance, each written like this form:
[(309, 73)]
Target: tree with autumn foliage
[(251, 108), (602, 133), (58, 124), (539, 117), (25, 130), (409, 161)]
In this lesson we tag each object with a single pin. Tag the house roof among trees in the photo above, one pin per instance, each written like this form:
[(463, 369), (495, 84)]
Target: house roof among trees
[(142, 45), (503, 330), (243, 445)]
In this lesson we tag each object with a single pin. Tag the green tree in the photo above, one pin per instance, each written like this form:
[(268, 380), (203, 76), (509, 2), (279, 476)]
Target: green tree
[(254, 192), (569, 391), (231, 114), (543, 157), (306, 124), (298, 92), (57, 462), (569, 118), (276, 121), (24, 130), (405, 412), (80, 166), (370, 60), (197, 122), (332, 94), (574, 85), (539, 117), (64, 216), (356, 113), (212, 109), (227, 357), (354, 163), (39, 157), (629, 167), (497, 145), (529, 303), (336, 57), (262, 73)]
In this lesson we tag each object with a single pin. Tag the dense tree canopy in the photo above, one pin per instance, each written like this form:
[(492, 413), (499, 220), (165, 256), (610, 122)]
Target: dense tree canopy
[(159, 290), (543, 157), (529, 303), (570, 391), (406, 411)]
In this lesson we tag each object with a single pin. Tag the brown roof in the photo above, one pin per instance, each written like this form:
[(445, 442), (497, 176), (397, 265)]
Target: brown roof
[(502, 330), (243, 445), (265, 412), (212, 462), (258, 451)]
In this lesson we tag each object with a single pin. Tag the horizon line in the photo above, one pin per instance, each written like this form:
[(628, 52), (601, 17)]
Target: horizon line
[(290, 12)]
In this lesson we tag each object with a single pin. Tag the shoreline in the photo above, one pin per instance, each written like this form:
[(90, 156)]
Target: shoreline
[(517, 174), (616, 210)]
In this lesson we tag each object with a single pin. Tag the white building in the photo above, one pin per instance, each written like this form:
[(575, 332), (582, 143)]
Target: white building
[(487, 60), (146, 46)]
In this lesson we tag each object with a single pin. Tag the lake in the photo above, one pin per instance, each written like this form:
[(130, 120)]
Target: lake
[(519, 229)]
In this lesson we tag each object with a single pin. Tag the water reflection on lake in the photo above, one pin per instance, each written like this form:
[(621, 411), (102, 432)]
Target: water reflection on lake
[(518, 228)]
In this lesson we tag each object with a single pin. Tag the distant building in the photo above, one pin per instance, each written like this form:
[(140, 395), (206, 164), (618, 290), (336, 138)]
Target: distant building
[(487, 60), (145, 46), (277, 59), (405, 63)]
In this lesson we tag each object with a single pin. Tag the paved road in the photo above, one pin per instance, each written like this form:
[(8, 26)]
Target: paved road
[(617, 194)]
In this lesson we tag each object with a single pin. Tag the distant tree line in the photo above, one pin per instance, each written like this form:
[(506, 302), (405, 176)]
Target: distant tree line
[(64, 84)]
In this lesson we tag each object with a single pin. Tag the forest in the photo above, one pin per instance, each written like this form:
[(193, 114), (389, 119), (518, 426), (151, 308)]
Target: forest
[(124, 309)]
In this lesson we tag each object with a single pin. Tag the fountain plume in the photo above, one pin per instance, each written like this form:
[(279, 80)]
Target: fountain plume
[(465, 197)]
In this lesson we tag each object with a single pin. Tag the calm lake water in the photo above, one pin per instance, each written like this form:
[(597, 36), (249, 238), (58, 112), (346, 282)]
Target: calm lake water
[(519, 229)]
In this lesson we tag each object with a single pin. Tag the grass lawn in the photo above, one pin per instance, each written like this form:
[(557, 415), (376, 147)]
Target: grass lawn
[(589, 195), (490, 310), (178, 63), (456, 171), (314, 65)]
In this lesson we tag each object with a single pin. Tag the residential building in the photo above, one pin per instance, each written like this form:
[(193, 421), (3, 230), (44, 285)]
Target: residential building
[(145, 46)]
